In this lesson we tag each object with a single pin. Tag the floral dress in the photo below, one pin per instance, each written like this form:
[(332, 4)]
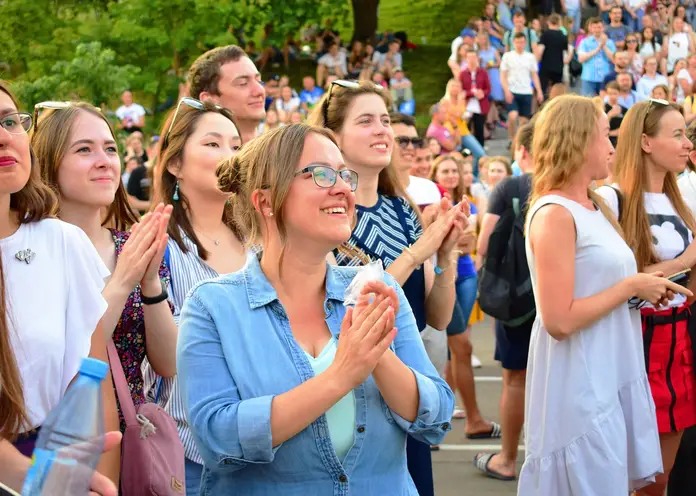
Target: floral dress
[(129, 335)]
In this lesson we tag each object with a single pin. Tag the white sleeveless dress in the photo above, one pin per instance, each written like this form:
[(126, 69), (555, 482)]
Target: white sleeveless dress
[(590, 419)]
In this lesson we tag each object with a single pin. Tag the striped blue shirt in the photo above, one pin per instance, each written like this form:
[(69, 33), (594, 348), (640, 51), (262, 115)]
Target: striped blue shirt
[(187, 270)]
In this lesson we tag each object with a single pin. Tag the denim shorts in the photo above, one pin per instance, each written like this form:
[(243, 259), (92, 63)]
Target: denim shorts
[(522, 104), (466, 288)]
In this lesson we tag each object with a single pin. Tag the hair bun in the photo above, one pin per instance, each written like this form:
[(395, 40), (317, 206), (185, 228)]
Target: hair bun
[(229, 178)]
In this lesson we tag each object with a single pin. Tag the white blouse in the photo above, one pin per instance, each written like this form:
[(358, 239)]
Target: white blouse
[(54, 303)]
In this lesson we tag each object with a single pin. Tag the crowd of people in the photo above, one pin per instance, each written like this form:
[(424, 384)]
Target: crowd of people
[(218, 262)]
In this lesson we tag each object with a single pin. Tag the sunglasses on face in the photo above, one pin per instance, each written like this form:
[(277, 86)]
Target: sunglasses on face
[(325, 176), (343, 84), (51, 106), (16, 123), (404, 141), (191, 102)]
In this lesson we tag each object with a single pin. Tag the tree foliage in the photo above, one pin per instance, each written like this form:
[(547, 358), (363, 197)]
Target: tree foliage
[(92, 49)]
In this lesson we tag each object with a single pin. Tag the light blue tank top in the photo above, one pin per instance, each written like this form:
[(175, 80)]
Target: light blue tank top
[(341, 416)]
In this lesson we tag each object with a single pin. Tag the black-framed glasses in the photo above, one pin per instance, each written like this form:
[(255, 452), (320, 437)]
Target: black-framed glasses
[(191, 102), (51, 106), (16, 123), (403, 141), (343, 84), (325, 176)]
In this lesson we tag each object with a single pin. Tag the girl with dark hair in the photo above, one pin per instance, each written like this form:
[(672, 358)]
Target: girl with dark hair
[(204, 241)]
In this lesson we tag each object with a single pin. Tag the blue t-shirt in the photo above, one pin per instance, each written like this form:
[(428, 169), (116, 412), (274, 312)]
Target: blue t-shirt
[(465, 264), (311, 97)]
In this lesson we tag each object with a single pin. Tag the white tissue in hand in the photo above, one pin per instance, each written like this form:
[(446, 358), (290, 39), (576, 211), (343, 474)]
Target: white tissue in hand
[(374, 271)]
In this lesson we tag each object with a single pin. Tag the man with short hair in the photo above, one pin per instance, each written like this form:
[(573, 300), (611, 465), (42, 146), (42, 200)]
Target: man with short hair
[(423, 163), (617, 30), (131, 115), (518, 70), (531, 38), (448, 138), (621, 64), (229, 78), (627, 97), (310, 94), (595, 53)]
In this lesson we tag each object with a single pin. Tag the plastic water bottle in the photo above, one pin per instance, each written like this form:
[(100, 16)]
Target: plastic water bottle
[(71, 439)]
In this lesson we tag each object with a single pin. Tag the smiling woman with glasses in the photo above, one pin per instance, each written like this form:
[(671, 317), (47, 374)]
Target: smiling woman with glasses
[(301, 411)]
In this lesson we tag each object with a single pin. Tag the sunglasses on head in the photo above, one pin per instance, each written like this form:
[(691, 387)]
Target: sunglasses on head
[(404, 141), (191, 102), (343, 84), (52, 106)]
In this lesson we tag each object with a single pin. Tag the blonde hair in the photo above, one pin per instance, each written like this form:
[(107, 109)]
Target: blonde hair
[(631, 173), (268, 161), (563, 131)]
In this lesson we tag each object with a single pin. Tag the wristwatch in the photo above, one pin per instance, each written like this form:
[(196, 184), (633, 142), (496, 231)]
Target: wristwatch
[(155, 299)]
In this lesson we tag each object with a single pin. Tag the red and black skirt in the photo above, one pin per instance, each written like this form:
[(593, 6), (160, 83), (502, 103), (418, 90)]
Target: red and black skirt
[(669, 342)]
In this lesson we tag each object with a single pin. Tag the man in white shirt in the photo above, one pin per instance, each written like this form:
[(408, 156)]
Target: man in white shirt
[(518, 70), (333, 63), (131, 116)]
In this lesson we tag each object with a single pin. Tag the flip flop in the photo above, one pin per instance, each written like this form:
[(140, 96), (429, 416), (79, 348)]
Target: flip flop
[(459, 413), (434, 447), (481, 462), (494, 433)]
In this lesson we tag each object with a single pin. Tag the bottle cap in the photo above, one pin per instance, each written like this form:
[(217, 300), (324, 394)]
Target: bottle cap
[(91, 367)]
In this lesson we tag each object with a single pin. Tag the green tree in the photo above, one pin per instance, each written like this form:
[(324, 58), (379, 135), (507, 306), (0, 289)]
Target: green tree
[(92, 76)]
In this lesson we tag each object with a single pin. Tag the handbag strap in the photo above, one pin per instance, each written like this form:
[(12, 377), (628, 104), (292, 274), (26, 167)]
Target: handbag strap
[(122, 390)]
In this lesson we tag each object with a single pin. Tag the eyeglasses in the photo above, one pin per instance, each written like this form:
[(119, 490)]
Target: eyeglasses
[(191, 102), (51, 106), (343, 84), (16, 123), (404, 141), (325, 177)]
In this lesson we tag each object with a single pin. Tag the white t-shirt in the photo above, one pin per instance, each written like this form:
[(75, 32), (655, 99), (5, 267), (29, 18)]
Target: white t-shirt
[(687, 186), (54, 304), (290, 106), (670, 235), (133, 112), (423, 191), (519, 68), (678, 48), (682, 75), (332, 62)]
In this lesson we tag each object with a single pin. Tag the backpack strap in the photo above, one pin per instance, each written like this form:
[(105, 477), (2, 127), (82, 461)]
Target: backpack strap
[(619, 201)]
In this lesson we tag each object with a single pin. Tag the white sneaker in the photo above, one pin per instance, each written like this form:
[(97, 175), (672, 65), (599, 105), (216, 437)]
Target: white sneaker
[(475, 362)]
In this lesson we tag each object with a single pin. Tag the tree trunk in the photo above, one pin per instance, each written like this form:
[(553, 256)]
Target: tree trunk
[(365, 19)]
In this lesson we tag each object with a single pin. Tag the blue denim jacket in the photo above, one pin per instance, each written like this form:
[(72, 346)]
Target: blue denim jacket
[(236, 352)]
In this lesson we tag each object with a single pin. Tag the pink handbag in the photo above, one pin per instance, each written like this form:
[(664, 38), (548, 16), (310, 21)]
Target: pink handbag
[(152, 456)]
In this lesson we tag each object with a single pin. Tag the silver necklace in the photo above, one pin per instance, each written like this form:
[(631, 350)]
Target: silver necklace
[(216, 241)]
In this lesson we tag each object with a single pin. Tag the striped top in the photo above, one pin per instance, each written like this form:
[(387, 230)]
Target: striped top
[(187, 270)]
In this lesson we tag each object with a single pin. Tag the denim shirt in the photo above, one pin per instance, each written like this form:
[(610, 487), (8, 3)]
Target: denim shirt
[(236, 351), (596, 68)]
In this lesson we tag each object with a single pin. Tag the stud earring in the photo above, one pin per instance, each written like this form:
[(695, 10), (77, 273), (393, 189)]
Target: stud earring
[(270, 214), (175, 197)]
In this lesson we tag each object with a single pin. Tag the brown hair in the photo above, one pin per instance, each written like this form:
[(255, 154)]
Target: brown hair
[(268, 162), (204, 74), (563, 131), (35, 201), (501, 160), (172, 152), (337, 110), (460, 191), (643, 118), (525, 136), (51, 140)]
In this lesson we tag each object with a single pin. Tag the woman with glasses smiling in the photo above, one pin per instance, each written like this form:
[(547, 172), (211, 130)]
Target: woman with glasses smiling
[(278, 404), (40, 351), (204, 241), (388, 225)]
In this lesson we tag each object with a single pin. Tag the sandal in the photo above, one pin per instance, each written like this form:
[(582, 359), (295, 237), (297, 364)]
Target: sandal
[(494, 433), (481, 462), (459, 413)]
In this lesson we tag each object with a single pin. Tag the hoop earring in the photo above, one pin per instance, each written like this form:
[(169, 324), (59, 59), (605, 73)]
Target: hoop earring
[(175, 197)]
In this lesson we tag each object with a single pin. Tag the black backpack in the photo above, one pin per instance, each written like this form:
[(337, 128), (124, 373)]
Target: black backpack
[(505, 286)]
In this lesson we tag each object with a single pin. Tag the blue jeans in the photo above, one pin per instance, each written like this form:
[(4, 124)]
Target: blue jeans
[(576, 16), (467, 289), (636, 24), (469, 141), (590, 88), (194, 473)]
